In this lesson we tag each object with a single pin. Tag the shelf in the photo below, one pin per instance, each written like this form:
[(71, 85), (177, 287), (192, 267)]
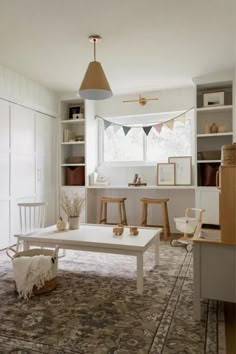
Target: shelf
[(72, 164), (73, 143), (208, 161), (139, 188), (73, 121), (214, 134), (215, 108)]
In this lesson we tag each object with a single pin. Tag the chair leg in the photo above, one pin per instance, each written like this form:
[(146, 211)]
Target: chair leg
[(166, 224)]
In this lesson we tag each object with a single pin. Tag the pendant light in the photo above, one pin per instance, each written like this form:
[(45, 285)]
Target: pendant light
[(95, 85)]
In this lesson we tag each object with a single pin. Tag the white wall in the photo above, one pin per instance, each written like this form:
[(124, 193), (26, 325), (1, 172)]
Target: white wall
[(168, 101), (19, 89)]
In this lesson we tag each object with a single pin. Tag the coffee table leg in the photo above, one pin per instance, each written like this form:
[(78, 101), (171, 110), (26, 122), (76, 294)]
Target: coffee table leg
[(140, 273), (157, 249), (25, 245)]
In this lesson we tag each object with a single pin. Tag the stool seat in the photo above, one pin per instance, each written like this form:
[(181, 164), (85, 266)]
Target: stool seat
[(154, 201), (163, 202), (121, 209), (112, 200)]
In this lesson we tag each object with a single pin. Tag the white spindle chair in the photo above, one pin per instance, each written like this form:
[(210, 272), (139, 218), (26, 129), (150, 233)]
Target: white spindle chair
[(32, 218)]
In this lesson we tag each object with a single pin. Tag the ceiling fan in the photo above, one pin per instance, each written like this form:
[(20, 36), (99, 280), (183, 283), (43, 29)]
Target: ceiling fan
[(142, 100)]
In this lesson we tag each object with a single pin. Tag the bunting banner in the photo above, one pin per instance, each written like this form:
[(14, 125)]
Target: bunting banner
[(107, 124), (170, 124), (146, 128), (116, 128), (158, 127), (126, 129)]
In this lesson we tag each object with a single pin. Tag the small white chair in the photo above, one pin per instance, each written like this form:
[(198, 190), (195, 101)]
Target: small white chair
[(32, 218)]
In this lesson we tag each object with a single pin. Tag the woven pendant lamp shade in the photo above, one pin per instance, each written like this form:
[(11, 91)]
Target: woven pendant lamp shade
[(95, 85)]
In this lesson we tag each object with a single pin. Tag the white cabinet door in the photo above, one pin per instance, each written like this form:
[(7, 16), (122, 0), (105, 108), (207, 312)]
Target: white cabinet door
[(208, 199), (22, 152), (46, 164), (4, 148), (4, 173), (4, 224)]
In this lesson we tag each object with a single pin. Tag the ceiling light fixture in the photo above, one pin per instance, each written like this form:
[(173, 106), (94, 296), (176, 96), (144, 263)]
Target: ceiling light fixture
[(142, 100), (95, 85)]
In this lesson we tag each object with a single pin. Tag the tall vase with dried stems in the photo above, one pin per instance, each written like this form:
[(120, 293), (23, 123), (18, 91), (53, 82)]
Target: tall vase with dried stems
[(72, 205)]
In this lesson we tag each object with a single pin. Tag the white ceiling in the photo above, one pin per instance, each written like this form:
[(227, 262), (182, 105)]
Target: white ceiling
[(147, 45)]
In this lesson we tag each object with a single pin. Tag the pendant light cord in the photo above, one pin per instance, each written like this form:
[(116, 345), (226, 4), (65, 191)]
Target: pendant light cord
[(94, 49)]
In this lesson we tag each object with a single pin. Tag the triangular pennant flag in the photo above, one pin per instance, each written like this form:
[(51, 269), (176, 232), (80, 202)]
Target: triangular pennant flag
[(182, 118), (116, 128), (158, 127), (106, 124), (147, 130), (170, 124), (126, 130)]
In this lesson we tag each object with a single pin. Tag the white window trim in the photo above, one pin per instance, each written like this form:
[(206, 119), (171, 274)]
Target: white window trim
[(144, 162)]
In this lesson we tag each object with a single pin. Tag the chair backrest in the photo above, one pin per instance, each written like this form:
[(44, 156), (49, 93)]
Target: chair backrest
[(32, 216)]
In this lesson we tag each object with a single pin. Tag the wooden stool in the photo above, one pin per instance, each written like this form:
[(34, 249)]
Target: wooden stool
[(165, 218), (121, 208)]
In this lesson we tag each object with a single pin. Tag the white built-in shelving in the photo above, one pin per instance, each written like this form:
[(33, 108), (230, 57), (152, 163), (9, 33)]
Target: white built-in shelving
[(214, 128), (215, 108), (214, 134), (72, 143)]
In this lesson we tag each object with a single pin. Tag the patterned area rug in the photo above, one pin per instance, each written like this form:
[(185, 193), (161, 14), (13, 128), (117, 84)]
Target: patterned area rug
[(96, 310)]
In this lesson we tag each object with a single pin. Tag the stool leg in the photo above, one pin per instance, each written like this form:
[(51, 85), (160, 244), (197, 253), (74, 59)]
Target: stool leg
[(124, 222), (101, 210), (105, 213), (120, 212), (144, 217), (166, 224)]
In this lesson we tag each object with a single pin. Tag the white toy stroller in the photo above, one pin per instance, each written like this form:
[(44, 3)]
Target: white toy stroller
[(188, 225)]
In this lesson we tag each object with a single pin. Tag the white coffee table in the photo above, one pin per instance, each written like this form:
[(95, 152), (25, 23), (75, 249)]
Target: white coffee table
[(99, 238)]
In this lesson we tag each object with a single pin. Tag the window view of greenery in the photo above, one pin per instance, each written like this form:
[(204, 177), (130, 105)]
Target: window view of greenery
[(156, 147)]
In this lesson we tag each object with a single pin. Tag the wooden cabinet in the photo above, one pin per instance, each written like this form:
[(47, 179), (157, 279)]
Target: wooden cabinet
[(228, 203)]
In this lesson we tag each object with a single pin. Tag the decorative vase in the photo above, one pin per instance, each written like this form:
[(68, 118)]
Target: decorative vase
[(74, 222), (214, 128)]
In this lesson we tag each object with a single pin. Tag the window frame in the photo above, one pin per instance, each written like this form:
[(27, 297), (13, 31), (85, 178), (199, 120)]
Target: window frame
[(144, 162)]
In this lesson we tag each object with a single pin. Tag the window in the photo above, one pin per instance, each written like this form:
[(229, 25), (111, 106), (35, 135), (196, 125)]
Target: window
[(136, 146)]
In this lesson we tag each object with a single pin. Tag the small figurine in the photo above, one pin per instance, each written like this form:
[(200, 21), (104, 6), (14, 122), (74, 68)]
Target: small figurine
[(118, 230), (61, 225), (133, 231)]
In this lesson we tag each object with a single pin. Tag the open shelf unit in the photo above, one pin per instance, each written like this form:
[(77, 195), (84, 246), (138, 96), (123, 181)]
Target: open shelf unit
[(72, 143), (214, 126)]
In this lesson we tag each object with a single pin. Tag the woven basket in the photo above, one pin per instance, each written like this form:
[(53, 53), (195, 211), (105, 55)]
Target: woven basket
[(228, 155), (50, 284)]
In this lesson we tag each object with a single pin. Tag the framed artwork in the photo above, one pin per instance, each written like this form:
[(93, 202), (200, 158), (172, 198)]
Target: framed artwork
[(74, 112), (166, 174), (183, 170)]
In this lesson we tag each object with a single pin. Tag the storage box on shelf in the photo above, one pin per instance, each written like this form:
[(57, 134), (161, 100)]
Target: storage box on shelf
[(214, 128)]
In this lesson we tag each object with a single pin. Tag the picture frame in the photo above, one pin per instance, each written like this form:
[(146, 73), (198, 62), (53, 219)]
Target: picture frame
[(166, 174), (183, 170), (213, 99), (74, 112)]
